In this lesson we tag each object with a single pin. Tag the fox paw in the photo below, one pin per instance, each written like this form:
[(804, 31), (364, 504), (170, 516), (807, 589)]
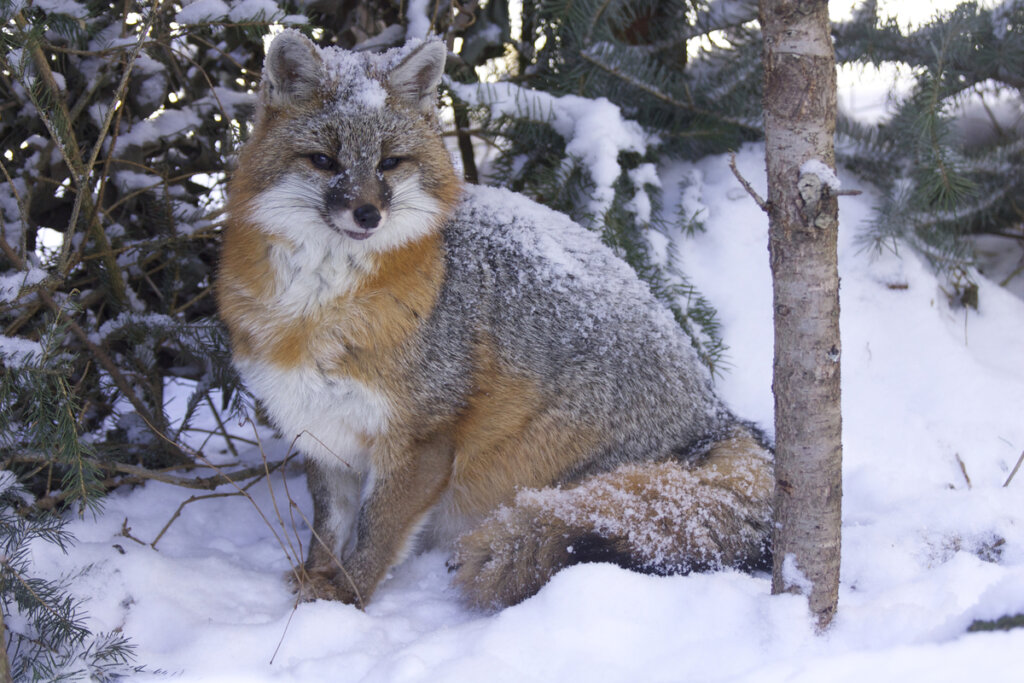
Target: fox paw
[(322, 583)]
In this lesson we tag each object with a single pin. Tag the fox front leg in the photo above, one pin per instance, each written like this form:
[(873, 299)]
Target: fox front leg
[(400, 496), (335, 489)]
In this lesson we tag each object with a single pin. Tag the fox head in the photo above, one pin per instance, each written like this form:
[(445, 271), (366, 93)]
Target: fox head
[(346, 151)]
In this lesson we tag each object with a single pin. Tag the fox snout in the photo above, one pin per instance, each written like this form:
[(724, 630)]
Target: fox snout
[(359, 222)]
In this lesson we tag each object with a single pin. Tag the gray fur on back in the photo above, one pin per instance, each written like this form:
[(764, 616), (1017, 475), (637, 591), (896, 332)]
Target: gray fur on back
[(563, 309)]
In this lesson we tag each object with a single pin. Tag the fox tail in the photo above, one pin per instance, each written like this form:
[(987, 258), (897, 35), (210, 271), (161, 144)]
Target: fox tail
[(659, 517)]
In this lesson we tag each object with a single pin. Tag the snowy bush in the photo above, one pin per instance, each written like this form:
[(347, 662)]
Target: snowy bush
[(117, 130)]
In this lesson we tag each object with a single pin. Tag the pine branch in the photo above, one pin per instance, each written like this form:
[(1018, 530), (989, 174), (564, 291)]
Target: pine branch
[(104, 360), (137, 474), (62, 133)]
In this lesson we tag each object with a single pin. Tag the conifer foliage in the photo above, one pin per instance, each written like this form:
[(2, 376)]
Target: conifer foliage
[(950, 159), (46, 635), (116, 124)]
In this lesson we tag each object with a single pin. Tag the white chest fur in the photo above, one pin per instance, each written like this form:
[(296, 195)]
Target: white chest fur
[(315, 263), (333, 419)]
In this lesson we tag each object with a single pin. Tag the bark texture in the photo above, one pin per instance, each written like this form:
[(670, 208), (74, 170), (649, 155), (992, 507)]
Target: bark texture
[(800, 116)]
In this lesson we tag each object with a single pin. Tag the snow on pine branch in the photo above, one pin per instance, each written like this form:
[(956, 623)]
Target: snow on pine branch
[(594, 130)]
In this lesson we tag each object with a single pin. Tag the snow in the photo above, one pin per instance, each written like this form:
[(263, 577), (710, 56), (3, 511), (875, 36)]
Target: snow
[(924, 552), (642, 176), (419, 19), (68, 7), (249, 10), (12, 283), (152, 88), (204, 11), (165, 124), (356, 75), (594, 130), (16, 352), (793, 577), (201, 11), (932, 539), (826, 176)]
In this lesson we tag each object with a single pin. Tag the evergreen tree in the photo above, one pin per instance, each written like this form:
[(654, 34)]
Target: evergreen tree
[(684, 74), (119, 123), (688, 72), (656, 71), (46, 635)]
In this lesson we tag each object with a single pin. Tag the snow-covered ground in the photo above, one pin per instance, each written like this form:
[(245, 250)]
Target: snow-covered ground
[(933, 411)]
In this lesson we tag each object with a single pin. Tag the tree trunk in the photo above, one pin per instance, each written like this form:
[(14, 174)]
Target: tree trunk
[(800, 116)]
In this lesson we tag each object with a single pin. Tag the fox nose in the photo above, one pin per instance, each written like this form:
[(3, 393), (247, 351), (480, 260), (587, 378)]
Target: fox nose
[(367, 216)]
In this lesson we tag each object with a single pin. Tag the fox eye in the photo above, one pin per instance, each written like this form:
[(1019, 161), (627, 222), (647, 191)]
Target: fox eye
[(389, 163), (323, 162)]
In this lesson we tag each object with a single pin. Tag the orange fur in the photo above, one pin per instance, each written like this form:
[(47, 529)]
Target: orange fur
[(389, 305), (505, 439), (376, 318)]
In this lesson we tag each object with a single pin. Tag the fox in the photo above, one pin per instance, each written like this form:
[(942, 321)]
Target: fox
[(462, 368)]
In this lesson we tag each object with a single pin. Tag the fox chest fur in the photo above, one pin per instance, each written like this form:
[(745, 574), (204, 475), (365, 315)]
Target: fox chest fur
[(325, 343)]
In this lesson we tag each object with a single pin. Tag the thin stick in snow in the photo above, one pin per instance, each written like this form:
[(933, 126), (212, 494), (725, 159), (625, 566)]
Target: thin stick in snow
[(1015, 468)]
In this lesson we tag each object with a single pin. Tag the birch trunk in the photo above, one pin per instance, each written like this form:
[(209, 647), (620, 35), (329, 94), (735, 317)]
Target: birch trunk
[(800, 116)]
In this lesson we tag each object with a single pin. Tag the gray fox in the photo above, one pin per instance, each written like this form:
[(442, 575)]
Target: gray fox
[(462, 367)]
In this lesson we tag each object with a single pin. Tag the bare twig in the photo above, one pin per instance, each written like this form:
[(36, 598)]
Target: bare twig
[(103, 359), (241, 490), (746, 186), (126, 531), (22, 213), (223, 429), (284, 632), (139, 474), (87, 167), (469, 169), (298, 569), (72, 157), (290, 551), (197, 298), (1017, 271), (1015, 468), (292, 507), (299, 572), (963, 469), (5, 662), (213, 432), (662, 95), (192, 499)]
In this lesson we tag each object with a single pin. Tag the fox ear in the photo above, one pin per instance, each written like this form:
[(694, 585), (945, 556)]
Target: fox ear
[(292, 70), (415, 80)]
